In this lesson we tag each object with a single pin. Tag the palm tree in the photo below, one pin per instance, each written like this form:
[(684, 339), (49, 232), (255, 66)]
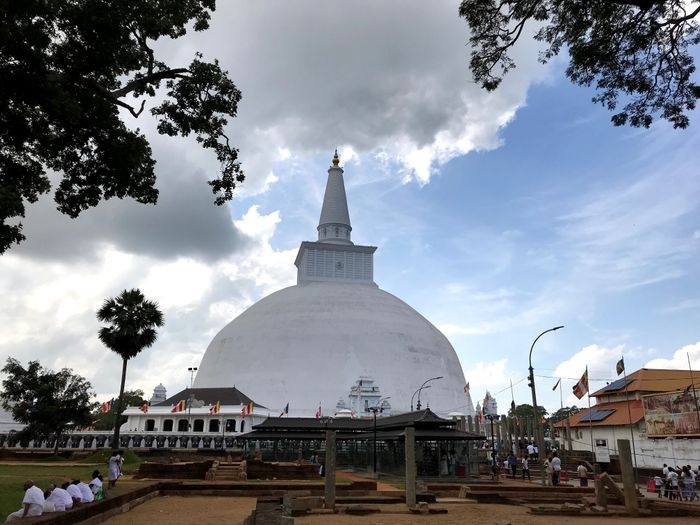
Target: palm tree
[(133, 321)]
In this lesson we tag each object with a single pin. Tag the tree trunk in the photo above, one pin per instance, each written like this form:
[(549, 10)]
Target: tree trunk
[(58, 436), (118, 411)]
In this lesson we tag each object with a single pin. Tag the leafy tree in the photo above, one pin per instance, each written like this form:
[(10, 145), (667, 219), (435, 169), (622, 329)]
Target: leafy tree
[(105, 420), (47, 402), (564, 413), (133, 321), (636, 52), (525, 411), (68, 67)]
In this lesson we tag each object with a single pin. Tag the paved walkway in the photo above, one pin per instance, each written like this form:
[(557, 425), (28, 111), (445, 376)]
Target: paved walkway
[(353, 476)]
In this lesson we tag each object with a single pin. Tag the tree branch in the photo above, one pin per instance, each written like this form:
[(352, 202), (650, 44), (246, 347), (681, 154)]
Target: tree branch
[(149, 79)]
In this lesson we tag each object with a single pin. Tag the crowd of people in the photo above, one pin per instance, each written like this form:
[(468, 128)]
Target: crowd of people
[(69, 494), (679, 483)]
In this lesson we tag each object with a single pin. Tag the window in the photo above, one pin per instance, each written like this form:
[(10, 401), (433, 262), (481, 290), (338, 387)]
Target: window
[(182, 425), (230, 425), (213, 425), (168, 425), (150, 425), (198, 425)]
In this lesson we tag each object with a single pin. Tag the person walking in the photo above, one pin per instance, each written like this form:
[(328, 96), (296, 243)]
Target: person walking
[(582, 474), (114, 464), (512, 464), (547, 465), (526, 467), (556, 468)]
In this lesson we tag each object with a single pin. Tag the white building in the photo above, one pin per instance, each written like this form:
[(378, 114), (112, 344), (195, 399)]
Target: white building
[(620, 413), (192, 412), (309, 344)]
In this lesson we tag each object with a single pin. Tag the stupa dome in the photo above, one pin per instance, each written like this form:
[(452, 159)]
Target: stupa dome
[(334, 335), (308, 344)]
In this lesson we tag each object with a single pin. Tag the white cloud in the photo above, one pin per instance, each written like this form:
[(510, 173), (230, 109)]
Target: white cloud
[(679, 361)]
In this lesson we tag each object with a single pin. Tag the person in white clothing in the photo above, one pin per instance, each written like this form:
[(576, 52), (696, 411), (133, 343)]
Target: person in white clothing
[(55, 496), (33, 502), (531, 451), (74, 492), (556, 468), (86, 495)]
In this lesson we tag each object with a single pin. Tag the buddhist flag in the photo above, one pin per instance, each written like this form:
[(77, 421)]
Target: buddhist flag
[(581, 388), (144, 408), (319, 412), (215, 409), (179, 407), (247, 409), (556, 385), (106, 406), (285, 411), (620, 366)]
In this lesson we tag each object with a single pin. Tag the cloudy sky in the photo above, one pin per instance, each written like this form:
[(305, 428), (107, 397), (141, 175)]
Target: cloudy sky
[(497, 215)]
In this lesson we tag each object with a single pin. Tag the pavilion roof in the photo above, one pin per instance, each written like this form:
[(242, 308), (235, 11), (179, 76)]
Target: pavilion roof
[(210, 396)]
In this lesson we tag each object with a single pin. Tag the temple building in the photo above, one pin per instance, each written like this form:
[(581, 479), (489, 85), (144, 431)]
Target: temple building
[(335, 342)]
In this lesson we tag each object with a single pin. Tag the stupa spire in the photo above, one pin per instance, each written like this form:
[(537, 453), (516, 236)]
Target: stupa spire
[(334, 224)]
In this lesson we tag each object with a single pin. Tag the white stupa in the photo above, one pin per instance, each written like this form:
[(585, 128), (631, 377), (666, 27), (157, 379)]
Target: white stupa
[(309, 344)]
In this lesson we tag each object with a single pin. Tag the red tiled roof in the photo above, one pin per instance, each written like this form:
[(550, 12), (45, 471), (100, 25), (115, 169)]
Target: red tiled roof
[(620, 416), (653, 380)]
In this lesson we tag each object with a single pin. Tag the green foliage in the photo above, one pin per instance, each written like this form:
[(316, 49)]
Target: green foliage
[(636, 52), (47, 402), (67, 68), (132, 327), (525, 411), (564, 413), (105, 420)]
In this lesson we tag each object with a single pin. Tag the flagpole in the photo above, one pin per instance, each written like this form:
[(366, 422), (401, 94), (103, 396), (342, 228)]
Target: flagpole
[(692, 382), (629, 413), (590, 421), (561, 396)]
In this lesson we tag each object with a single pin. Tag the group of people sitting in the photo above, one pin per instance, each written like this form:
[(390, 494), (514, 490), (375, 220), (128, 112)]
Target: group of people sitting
[(678, 483), (59, 499)]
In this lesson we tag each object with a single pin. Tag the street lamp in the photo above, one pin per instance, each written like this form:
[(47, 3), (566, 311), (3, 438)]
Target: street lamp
[(414, 395), (422, 387), (539, 437), (376, 408), (191, 370)]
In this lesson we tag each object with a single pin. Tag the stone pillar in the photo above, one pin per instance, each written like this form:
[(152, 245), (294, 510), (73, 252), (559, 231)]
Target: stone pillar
[(628, 484), (329, 468), (470, 424), (410, 449)]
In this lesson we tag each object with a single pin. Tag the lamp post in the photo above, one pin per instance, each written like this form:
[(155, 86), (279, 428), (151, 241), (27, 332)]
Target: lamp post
[(422, 387), (376, 408), (192, 370), (493, 443), (539, 436), (414, 395)]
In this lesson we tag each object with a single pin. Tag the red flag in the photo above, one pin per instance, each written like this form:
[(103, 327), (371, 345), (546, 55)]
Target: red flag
[(144, 408), (178, 408), (319, 413), (581, 388), (215, 409)]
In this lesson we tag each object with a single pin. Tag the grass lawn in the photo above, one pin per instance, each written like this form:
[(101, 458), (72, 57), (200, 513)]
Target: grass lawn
[(53, 470)]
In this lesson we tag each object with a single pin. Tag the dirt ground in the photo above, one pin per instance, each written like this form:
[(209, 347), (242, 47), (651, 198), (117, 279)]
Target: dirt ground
[(185, 510)]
